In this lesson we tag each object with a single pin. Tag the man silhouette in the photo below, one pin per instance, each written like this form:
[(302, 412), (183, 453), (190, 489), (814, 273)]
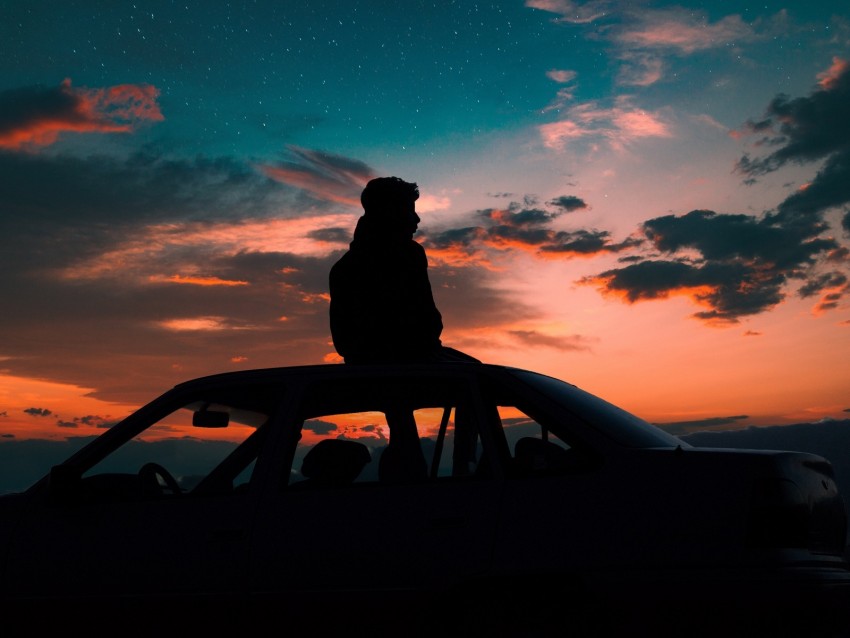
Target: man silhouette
[(382, 309)]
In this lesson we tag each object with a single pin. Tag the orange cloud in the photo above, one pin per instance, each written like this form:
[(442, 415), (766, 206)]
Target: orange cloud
[(829, 78), (36, 117), (146, 250), (203, 324), (197, 281), (606, 285)]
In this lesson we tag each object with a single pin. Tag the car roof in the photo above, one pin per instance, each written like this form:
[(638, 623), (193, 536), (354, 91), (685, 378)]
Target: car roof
[(334, 370)]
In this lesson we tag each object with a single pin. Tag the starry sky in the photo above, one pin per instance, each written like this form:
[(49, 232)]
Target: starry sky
[(647, 199)]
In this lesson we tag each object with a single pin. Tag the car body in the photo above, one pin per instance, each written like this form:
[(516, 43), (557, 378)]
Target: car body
[(453, 498)]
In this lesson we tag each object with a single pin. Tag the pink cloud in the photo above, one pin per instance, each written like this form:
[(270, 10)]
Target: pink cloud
[(578, 13), (619, 126), (640, 69), (682, 31), (37, 117), (328, 176), (561, 76)]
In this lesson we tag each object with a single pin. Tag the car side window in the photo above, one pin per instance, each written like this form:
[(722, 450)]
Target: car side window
[(387, 431), (538, 445), (207, 443)]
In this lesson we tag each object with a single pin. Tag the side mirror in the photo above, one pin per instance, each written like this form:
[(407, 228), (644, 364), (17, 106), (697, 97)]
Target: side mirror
[(210, 419)]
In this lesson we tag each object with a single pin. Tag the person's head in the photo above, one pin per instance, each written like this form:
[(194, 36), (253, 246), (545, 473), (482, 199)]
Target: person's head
[(391, 202)]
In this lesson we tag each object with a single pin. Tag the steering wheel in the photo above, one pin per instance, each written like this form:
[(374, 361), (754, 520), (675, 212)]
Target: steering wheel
[(150, 473)]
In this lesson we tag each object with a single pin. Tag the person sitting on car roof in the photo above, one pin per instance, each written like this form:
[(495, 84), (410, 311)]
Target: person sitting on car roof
[(382, 309)]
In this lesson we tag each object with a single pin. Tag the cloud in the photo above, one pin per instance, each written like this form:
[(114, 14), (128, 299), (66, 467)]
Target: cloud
[(684, 427), (643, 38), (619, 126), (319, 427), (522, 228), (568, 203), (561, 76), (804, 130), (640, 68), (335, 235), (681, 31), (140, 259), (38, 412), (193, 324), (162, 267), (736, 265), (572, 12), (33, 117), (533, 338), (324, 175), (741, 265), (197, 281)]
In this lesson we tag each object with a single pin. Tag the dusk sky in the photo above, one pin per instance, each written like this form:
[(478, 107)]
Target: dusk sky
[(649, 200)]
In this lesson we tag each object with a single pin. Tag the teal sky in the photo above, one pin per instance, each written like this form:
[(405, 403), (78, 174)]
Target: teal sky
[(649, 199)]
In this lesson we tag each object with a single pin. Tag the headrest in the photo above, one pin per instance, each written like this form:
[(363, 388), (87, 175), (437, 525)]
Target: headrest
[(335, 461)]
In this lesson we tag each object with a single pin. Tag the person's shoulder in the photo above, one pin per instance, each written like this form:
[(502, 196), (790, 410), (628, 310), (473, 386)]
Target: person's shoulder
[(343, 263), (416, 248)]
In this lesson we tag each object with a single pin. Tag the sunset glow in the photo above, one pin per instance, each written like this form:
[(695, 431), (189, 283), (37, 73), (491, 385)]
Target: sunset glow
[(647, 200)]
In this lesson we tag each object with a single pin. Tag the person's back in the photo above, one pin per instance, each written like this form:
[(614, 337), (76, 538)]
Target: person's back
[(382, 308)]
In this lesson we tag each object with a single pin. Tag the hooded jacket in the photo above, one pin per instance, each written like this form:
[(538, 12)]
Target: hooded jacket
[(382, 308)]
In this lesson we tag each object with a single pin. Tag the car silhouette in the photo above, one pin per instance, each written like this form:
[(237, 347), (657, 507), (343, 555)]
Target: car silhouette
[(433, 499)]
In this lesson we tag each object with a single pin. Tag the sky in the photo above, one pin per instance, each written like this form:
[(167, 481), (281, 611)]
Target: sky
[(649, 200)]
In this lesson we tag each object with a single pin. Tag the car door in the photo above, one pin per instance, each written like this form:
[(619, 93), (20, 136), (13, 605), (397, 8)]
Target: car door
[(167, 537), (418, 519)]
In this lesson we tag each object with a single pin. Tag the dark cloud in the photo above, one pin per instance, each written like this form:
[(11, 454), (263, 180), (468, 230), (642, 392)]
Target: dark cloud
[(741, 265), (818, 283), (471, 298), (35, 116), (568, 203), (327, 176), (736, 265), (829, 188), (683, 427), (586, 242), (536, 339), (162, 215), (804, 130), (319, 427), (38, 412), (102, 423), (465, 236), (122, 192), (523, 226), (331, 235)]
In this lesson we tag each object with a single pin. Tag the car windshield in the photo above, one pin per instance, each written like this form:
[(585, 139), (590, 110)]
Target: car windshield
[(623, 427)]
